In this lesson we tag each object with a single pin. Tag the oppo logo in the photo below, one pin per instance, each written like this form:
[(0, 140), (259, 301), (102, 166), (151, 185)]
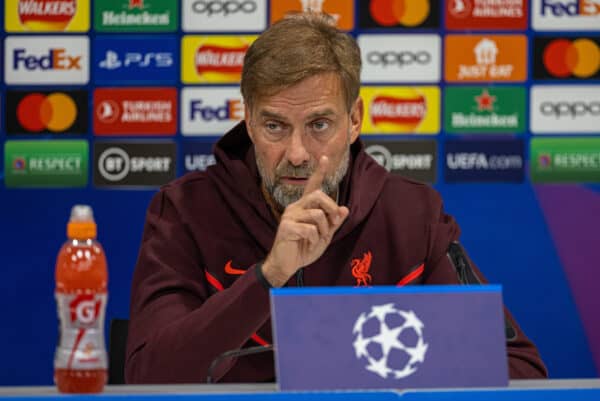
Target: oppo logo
[(223, 7), (398, 58), (574, 109)]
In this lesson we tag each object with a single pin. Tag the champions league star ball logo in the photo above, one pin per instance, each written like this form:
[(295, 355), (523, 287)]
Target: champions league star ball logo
[(391, 341)]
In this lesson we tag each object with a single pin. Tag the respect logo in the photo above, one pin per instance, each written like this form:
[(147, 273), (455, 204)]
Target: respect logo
[(214, 59), (565, 160), (399, 110), (567, 58), (46, 111), (47, 15), (46, 163), (476, 58)]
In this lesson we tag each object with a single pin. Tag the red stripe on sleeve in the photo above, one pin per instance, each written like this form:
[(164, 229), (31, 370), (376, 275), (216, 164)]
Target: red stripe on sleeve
[(412, 275)]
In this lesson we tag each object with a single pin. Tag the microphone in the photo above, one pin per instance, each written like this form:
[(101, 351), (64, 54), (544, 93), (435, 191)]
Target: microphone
[(234, 353)]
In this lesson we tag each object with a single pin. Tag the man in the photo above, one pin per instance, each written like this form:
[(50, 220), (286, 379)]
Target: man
[(293, 200)]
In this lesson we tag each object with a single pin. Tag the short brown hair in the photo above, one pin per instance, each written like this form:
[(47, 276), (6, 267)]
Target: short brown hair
[(298, 47)]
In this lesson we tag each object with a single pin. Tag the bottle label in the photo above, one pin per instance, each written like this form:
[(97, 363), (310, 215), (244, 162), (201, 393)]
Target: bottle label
[(81, 343)]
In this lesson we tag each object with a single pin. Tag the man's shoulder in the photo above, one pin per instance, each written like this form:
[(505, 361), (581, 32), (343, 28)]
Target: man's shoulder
[(193, 188), (401, 188)]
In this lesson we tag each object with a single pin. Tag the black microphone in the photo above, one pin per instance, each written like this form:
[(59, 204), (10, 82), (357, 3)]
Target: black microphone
[(234, 353)]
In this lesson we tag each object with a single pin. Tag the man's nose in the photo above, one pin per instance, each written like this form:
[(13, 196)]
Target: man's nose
[(296, 152)]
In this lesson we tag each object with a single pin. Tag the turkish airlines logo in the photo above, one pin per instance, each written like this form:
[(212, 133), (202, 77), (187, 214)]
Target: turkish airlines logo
[(50, 14), (402, 111), (46, 111), (567, 58), (211, 58), (143, 111), (486, 14)]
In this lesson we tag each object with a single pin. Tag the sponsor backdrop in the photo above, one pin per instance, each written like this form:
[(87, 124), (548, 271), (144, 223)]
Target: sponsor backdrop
[(496, 103)]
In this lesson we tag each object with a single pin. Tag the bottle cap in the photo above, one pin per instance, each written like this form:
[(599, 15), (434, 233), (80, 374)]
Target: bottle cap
[(81, 224)]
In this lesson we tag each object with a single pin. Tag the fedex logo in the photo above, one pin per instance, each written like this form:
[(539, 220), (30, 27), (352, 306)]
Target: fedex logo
[(55, 59), (566, 15), (136, 59), (230, 110), (572, 8), (46, 60), (210, 111)]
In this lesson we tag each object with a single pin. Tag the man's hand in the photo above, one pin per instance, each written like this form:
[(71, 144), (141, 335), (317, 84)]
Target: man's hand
[(305, 230)]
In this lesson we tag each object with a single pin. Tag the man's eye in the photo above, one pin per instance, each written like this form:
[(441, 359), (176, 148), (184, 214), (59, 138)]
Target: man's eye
[(320, 126), (273, 127)]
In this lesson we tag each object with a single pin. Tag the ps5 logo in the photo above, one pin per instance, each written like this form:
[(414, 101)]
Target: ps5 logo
[(112, 61)]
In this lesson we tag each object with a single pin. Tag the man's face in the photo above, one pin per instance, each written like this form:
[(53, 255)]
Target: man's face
[(292, 129)]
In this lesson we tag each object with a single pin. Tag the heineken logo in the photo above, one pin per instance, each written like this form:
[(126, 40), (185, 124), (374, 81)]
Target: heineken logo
[(484, 110), (135, 15)]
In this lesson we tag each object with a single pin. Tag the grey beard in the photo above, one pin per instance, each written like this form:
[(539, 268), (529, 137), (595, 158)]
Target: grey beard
[(284, 195)]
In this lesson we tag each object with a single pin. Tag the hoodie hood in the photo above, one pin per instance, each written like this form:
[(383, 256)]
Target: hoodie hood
[(237, 179)]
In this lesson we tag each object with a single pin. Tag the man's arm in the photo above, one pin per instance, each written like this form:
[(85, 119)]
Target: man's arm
[(178, 325), (450, 264)]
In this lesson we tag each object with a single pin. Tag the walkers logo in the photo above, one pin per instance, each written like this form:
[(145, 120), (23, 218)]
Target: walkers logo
[(567, 58), (486, 14), (45, 163), (135, 164), (210, 111), (47, 15), (399, 14), (486, 58), (401, 110), (342, 11), (221, 15), (46, 60), (46, 112), (478, 109), (136, 59), (416, 160), (214, 59), (136, 16), (565, 160), (400, 58), (197, 156), (565, 109), (484, 161), (135, 111), (566, 15)]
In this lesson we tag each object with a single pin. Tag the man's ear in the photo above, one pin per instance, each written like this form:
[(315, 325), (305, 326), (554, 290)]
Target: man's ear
[(356, 118), (247, 120)]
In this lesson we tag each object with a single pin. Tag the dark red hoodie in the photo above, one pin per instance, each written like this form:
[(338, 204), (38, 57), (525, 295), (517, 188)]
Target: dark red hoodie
[(195, 291)]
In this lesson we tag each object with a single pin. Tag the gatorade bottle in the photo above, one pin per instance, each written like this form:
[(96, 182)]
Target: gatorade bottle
[(80, 361)]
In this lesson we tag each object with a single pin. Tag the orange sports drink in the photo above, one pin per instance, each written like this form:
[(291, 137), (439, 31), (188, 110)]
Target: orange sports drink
[(80, 361)]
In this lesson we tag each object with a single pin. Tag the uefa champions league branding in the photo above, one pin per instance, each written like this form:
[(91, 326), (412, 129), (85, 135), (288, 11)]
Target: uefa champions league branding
[(390, 340)]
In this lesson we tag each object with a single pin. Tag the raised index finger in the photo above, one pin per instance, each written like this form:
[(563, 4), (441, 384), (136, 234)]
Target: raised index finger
[(315, 181)]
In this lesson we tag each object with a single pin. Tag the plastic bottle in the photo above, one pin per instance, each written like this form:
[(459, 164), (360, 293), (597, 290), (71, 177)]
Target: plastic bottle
[(80, 361)]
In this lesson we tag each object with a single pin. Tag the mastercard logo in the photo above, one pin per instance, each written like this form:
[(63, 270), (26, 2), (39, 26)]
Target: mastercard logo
[(55, 112), (580, 58), (404, 12)]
